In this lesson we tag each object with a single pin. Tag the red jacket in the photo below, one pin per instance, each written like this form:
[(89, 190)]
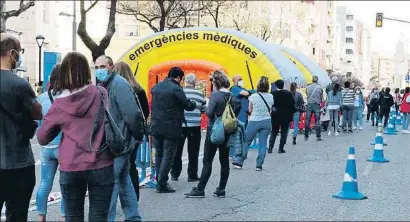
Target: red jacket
[(405, 107)]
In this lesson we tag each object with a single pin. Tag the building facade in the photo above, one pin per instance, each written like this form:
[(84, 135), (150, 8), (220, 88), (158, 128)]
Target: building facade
[(383, 69)]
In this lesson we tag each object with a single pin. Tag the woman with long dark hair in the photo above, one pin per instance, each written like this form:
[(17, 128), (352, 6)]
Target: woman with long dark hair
[(83, 164), (49, 152), (300, 108)]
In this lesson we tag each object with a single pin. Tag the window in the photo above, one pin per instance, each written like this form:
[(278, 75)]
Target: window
[(349, 28), (314, 51), (349, 51), (131, 30), (349, 40), (349, 17), (349, 61), (349, 75)]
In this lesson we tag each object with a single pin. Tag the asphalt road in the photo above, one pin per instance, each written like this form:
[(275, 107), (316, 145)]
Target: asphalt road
[(297, 185)]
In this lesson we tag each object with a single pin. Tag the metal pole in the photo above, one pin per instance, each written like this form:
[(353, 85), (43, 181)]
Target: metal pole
[(199, 13), (39, 64), (74, 26), (397, 20)]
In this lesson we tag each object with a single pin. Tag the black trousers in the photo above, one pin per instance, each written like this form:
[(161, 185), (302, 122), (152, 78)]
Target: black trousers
[(134, 172), (193, 134), (164, 153), (284, 129), (16, 187), (209, 155), (368, 112), (384, 113)]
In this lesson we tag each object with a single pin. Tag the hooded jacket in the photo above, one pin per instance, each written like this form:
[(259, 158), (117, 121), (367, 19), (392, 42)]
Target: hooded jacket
[(74, 113)]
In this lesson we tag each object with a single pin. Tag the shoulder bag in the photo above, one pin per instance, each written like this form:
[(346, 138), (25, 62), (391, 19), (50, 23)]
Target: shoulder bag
[(146, 126), (270, 110), (114, 140)]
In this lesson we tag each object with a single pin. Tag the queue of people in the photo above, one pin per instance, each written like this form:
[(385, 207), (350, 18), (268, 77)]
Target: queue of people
[(91, 133)]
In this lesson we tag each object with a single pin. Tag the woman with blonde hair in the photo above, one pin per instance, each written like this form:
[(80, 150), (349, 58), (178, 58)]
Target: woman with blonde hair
[(124, 70)]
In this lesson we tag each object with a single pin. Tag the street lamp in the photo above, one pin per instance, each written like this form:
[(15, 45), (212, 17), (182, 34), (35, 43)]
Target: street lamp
[(40, 41)]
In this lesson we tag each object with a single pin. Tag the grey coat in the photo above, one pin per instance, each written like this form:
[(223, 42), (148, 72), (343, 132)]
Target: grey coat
[(124, 109)]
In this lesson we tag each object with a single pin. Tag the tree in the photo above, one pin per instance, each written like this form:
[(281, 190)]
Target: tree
[(4, 15), (160, 15), (217, 9), (96, 50), (341, 79), (282, 29)]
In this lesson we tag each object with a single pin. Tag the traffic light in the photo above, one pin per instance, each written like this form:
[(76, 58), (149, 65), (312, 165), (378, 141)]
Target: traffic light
[(379, 20)]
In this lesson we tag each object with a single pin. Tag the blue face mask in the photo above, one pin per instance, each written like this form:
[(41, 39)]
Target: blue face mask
[(101, 74)]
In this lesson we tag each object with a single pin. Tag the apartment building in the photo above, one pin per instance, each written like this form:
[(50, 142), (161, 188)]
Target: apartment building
[(383, 69)]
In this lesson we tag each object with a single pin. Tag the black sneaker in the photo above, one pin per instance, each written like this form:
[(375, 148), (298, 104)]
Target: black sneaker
[(319, 139), (270, 150), (281, 151), (165, 189), (237, 165), (219, 193), (193, 179), (258, 168), (195, 193)]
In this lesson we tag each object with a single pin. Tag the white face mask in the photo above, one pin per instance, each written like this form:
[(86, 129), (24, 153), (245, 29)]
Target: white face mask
[(240, 83)]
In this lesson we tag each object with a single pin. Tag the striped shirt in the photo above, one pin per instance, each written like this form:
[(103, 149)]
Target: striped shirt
[(193, 118), (348, 97)]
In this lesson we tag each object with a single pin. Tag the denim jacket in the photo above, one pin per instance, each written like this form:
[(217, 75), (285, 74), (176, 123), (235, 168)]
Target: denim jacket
[(45, 102)]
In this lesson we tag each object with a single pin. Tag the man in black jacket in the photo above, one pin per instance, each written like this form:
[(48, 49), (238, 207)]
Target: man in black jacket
[(282, 115), (168, 105), (385, 102)]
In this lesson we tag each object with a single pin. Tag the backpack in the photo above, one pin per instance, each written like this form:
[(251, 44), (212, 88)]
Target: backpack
[(228, 118), (114, 140), (218, 132)]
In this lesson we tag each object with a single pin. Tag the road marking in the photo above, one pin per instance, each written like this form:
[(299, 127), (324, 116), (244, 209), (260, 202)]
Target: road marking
[(368, 169)]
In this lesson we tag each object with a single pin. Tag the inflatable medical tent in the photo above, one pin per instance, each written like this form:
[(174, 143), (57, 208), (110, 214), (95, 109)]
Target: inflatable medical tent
[(201, 50)]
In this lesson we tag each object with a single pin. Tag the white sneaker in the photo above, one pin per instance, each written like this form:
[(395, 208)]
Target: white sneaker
[(329, 133), (405, 131), (354, 128), (360, 128), (337, 133)]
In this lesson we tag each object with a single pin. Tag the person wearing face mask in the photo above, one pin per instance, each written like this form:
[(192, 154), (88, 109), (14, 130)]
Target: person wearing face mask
[(128, 116), (18, 110), (242, 94), (168, 104), (358, 110)]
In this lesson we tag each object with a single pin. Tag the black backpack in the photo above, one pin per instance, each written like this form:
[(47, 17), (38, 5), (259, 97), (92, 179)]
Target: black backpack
[(113, 138)]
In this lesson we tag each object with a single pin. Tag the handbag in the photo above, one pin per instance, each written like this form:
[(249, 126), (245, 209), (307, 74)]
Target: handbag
[(270, 110), (114, 140), (218, 132), (146, 126)]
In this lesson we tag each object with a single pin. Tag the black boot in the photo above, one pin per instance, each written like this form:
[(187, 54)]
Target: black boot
[(281, 150), (294, 141)]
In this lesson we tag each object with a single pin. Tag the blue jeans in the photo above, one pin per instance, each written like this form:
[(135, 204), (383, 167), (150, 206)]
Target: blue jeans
[(100, 183), (296, 117), (358, 116), (312, 108), (256, 127), (347, 116), (406, 121), (124, 188), (49, 165)]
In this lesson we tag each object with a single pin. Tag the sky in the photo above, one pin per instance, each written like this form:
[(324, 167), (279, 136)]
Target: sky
[(383, 39)]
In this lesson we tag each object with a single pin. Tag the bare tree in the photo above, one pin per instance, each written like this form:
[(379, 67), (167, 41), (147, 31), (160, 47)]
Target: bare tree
[(160, 15), (281, 29), (217, 9), (96, 50), (4, 15), (264, 31)]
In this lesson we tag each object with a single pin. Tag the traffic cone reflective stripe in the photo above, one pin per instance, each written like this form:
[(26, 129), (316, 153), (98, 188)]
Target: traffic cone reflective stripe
[(390, 128), (378, 153), (350, 188)]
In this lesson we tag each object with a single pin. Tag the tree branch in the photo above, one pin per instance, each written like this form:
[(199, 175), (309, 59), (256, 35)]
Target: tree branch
[(14, 13), (92, 5), (82, 29)]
